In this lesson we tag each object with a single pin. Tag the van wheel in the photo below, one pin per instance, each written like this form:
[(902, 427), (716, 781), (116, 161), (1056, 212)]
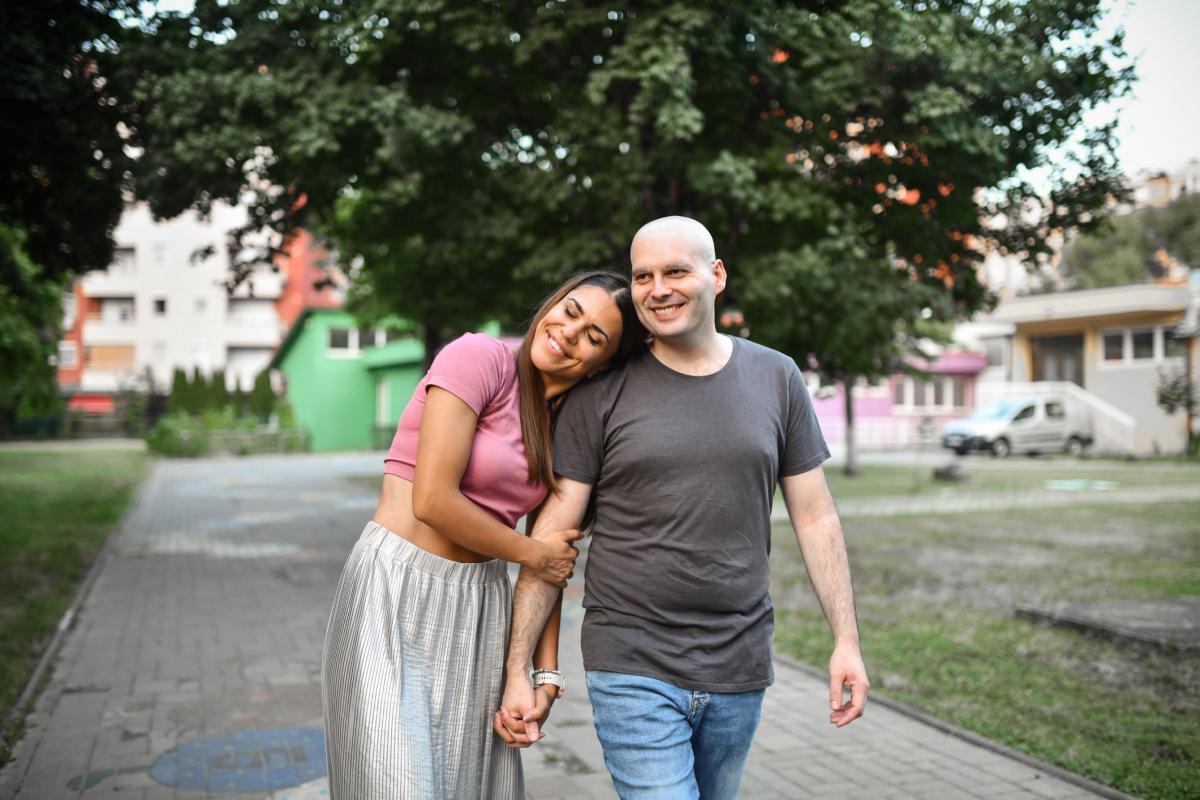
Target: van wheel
[(1001, 447), (1074, 446)]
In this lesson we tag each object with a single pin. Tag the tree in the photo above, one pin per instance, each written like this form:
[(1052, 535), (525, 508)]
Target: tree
[(61, 174), (1135, 247), (178, 401), (262, 396), (218, 391), (858, 141)]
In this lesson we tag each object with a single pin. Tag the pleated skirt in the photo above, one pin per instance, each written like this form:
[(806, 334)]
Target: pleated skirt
[(412, 670)]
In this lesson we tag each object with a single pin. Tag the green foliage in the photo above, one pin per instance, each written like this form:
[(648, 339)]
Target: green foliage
[(29, 330), (218, 392), (65, 99), (1135, 247), (262, 396), (818, 141), (178, 435), (287, 414), (178, 400), (1175, 392)]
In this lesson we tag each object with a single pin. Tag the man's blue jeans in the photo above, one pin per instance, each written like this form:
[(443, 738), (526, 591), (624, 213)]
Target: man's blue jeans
[(662, 742)]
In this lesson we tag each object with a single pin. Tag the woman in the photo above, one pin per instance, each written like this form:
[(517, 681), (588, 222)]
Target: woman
[(413, 662)]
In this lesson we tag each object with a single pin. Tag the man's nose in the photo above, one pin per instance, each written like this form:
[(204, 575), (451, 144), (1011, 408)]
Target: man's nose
[(660, 286)]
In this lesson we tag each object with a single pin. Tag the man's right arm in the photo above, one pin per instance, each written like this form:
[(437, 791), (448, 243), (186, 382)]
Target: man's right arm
[(533, 601)]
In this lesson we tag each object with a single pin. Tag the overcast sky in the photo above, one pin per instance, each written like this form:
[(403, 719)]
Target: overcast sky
[(1160, 121)]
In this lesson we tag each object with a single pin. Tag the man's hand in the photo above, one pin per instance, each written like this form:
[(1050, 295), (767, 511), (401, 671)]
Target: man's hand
[(524, 711), (846, 668)]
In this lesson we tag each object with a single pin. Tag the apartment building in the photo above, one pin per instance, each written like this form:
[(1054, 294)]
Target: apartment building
[(164, 303)]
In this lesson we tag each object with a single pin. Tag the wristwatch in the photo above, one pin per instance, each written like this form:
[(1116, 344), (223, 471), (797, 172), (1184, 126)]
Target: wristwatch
[(541, 677)]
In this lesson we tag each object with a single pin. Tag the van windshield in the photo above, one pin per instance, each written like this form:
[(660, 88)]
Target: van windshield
[(997, 409)]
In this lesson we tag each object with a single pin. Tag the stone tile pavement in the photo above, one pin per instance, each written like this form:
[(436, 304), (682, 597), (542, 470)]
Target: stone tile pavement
[(192, 669)]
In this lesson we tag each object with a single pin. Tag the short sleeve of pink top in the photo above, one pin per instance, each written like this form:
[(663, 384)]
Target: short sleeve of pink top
[(482, 372)]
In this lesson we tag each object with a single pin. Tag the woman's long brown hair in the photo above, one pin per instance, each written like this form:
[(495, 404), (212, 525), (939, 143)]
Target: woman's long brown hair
[(535, 419)]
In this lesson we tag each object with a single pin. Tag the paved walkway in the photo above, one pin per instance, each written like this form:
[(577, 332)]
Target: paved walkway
[(192, 670)]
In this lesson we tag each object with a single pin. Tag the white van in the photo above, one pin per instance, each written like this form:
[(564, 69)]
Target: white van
[(1045, 424)]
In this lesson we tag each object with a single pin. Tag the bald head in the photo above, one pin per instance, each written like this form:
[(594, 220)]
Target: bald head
[(684, 233)]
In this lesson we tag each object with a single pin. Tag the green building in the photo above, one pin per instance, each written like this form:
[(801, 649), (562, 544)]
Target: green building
[(348, 385)]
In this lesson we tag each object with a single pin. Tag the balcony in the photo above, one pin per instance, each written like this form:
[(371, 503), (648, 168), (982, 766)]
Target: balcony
[(253, 332), (267, 285), (120, 280), (98, 330)]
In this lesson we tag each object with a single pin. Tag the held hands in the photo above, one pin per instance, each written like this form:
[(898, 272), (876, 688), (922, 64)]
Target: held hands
[(525, 710), (846, 668), (556, 556)]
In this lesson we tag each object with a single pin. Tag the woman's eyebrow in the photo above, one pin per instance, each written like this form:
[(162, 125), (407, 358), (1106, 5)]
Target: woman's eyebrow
[(579, 310)]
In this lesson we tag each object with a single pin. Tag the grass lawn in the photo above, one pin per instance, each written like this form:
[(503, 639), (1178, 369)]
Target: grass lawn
[(56, 509), (995, 475), (936, 596)]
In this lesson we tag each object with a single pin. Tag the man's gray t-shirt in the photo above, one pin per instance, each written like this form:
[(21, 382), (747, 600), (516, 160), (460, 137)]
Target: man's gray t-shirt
[(683, 470)]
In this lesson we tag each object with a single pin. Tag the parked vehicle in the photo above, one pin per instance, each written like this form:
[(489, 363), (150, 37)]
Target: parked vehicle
[(1046, 424)]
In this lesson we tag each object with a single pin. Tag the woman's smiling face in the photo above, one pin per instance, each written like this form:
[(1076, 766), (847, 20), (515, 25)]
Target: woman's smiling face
[(577, 336)]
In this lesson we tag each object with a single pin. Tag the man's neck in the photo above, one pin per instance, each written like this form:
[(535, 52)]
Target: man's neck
[(702, 355)]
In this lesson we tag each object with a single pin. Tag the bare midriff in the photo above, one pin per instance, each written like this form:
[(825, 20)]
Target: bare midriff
[(395, 512)]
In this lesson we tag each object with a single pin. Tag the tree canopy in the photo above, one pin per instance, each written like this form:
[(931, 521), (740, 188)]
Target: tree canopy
[(1135, 247), (62, 171), (462, 156)]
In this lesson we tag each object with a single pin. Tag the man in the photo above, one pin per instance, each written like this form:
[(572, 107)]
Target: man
[(681, 451)]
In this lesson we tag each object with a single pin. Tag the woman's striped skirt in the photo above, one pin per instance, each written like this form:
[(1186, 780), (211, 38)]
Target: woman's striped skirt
[(412, 671)]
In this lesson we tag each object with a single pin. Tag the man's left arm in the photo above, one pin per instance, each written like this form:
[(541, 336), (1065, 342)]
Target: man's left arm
[(819, 532)]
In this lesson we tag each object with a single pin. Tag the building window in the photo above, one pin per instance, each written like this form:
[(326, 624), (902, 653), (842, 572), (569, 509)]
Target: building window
[(958, 391), (1174, 346), (395, 335), (898, 384), (993, 349), (339, 340), (1114, 347), (1143, 345), (68, 355), (123, 260), (160, 306), (366, 338), (919, 399)]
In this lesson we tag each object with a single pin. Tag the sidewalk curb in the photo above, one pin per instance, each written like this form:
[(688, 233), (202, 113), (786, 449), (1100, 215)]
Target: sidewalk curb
[(974, 738), (67, 622)]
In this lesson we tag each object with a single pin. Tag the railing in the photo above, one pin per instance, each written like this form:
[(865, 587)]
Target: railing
[(1113, 428)]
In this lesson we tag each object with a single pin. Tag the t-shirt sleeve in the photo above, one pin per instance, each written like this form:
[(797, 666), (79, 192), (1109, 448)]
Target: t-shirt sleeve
[(804, 444), (473, 368), (579, 434)]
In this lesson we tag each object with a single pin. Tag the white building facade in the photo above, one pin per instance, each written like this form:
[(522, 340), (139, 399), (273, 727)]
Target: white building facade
[(161, 306)]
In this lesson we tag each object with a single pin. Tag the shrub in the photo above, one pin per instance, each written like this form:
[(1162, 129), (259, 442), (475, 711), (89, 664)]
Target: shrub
[(178, 435)]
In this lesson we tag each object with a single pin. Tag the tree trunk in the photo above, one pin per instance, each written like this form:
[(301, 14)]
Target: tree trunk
[(851, 468), (433, 341)]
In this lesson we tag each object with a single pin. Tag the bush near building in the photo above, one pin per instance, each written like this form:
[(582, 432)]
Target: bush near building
[(204, 418)]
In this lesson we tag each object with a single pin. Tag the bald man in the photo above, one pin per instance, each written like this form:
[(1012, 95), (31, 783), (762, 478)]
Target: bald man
[(681, 451)]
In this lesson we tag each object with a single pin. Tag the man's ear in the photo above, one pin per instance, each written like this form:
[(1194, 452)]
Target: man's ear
[(719, 275)]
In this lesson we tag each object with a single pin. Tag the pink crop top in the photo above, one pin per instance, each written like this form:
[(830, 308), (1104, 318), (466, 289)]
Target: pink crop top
[(482, 372)]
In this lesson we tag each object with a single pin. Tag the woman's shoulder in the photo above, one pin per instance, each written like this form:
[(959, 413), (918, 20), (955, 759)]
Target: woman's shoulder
[(482, 347)]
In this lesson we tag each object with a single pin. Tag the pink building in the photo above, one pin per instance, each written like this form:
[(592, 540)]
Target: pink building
[(902, 410)]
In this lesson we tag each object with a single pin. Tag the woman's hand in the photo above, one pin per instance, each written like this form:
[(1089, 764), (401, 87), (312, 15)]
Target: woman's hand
[(555, 556)]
